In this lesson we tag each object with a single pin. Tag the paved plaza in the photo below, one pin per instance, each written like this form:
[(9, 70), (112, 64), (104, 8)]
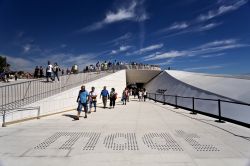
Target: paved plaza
[(140, 133)]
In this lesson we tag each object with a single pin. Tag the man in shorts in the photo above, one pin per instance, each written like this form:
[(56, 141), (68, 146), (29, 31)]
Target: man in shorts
[(92, 99), (82, 100)]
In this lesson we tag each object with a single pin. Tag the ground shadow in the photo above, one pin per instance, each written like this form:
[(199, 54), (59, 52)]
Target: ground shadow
[(74, 117)]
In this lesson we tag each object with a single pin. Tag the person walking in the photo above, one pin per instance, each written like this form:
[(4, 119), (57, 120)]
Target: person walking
[(127, 94), (92, 99), (49, 72), (124, 97), (140, 95), (105, 96), (56, 70), (112, 98), (145, 94), (82, 100), (135, 92)]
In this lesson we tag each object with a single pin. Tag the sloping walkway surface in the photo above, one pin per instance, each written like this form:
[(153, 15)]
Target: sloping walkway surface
[(140, 134)]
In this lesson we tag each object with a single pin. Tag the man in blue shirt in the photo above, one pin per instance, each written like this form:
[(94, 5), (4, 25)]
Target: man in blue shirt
[(82, 100), (105, 96)]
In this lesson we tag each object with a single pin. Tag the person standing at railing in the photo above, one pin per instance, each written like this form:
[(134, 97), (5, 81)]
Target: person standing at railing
[(62, 72), (41, 75), (36, 72), (105, 96), (67, 71), (92, 99), (56, 70), (98, 68), (49, 71), (105, 66), (82, 100)]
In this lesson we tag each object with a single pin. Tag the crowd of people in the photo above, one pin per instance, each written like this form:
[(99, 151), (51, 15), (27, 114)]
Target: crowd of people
[(88, 100), (108, 65), (54, 71)]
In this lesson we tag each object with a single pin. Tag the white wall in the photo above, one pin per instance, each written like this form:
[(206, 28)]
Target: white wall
[(67, 99), (234, 88), (202, 86)]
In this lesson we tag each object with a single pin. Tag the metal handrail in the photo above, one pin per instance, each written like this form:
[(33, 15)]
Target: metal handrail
[(4, 113), (198, 98), (26, 92), (219, 101), (20, 94)]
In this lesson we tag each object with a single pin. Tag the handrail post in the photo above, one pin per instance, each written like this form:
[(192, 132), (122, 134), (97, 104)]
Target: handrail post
[(4, 114), (155, 98), (176, 104), (219, 111), (193, 110), (38, 113), (164, 99)]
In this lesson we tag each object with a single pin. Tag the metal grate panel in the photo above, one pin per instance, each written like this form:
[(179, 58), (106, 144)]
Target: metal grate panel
[(121, 141), (161, 142), (190, 139)]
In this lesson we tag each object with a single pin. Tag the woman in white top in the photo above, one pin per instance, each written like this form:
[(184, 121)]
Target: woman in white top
[(140, 95), (92, 99)]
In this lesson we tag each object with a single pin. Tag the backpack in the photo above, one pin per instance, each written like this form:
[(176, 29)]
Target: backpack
[(83, 96)]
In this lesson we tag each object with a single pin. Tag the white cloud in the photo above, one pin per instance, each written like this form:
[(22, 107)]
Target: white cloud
[(194, 25), (190, 29), (207, 27), (66, 60), (124, 48), (165, 55), (178, 26), (121, 49), (26, 48), (29, 48), (18, 63), (222, 10), (147, 49), (218, 43), (204, 68), (121, 14), (166, 62), (151, 48), (212, 55), (124, 13), (208, 48), (121, 39)]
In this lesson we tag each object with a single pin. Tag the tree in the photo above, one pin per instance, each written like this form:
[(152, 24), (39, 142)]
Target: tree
[(3, 63)]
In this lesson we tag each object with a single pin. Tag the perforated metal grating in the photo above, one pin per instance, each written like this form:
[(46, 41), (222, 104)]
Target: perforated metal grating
[(161, 142), (73, 138), (93, 138), (49, 141), (121, 141), (190, 139)]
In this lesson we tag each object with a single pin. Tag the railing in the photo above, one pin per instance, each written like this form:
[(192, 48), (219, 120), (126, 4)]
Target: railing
[(19, 94), (5, 113), (195, 105)]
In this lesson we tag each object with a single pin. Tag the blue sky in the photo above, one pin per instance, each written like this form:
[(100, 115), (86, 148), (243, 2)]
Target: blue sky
[(193, 35)]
